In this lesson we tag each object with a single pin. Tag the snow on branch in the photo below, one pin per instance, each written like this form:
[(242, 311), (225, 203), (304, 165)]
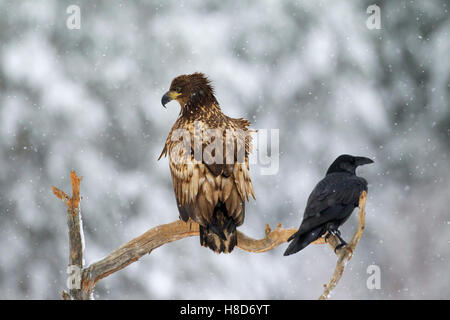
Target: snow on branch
[(144, 244)]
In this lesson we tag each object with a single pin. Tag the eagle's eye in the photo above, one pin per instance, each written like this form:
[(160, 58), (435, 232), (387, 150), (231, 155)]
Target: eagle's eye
[(178, 89)]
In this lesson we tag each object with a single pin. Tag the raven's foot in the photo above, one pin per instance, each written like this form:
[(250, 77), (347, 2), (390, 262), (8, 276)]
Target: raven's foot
[(340, 238), (339, 246), (336, 233)]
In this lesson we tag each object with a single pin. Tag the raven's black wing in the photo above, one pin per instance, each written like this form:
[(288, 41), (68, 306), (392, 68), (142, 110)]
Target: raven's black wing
[(332, 195)]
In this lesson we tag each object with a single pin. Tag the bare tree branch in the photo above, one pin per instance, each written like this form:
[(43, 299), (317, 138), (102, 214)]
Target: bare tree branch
[(75, 229), (345, 254), (133, 250)]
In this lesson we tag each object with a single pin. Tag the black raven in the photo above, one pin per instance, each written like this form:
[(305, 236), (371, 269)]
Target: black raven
[(331, 202)]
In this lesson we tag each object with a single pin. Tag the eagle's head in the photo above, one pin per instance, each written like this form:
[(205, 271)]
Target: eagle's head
[(190, 90)]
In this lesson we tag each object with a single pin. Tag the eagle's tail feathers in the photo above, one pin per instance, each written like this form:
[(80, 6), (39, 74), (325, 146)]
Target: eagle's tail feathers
[(220, 235), (217, 230), (218, 244)]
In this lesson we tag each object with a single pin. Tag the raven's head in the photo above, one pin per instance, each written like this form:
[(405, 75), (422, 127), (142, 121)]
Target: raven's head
[(348, 163), (190, 90)]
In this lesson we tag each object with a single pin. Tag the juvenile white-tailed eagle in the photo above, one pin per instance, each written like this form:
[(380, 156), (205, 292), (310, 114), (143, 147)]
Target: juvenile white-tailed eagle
[(208, 159)]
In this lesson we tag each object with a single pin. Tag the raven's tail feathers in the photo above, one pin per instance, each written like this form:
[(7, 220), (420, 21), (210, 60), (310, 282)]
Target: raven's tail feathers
[(301, 239)]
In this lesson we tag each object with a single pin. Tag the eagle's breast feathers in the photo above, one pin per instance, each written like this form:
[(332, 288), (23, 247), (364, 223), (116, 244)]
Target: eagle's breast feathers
[(200, 182)]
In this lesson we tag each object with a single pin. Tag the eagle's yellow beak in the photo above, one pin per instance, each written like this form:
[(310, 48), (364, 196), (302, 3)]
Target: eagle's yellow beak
[(169, 96)]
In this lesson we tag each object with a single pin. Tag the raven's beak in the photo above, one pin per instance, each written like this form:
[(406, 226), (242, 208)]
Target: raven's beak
[(359, 161), (169, 96)]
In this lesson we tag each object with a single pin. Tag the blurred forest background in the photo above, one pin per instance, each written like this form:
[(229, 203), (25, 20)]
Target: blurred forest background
[(89, 100)]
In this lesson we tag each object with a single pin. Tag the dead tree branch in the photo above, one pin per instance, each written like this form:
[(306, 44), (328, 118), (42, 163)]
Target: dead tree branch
[(75, 230), (133, 250), (345, 254)]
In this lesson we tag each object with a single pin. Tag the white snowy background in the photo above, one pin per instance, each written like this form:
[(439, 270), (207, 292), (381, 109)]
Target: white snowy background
[(89, 100)]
